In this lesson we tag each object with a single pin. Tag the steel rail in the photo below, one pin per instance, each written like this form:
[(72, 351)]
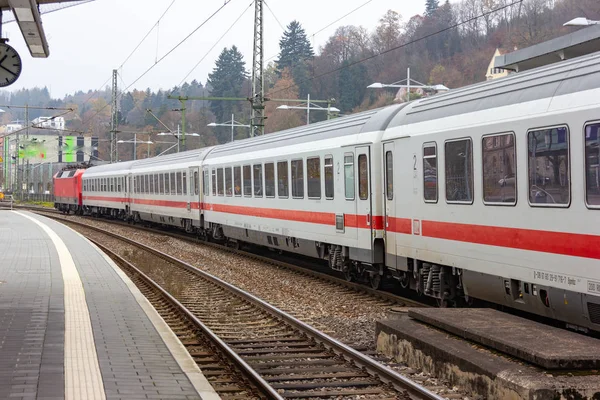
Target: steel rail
[(254, 377), (386, 374)]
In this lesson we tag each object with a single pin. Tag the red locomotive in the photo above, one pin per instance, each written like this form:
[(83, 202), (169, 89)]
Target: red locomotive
[(67, 190)]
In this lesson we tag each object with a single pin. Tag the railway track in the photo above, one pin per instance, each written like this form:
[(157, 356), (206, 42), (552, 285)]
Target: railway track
[(292, 358)]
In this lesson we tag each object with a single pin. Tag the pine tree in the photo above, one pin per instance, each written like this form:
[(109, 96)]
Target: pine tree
[(431, 6), (295, 53), (227, 80)]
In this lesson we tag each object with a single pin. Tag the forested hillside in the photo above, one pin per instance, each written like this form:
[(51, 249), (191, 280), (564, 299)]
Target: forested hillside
[(449, 44)]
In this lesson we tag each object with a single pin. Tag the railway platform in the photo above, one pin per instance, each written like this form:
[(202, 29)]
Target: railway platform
[(493, 354), (72, 324)]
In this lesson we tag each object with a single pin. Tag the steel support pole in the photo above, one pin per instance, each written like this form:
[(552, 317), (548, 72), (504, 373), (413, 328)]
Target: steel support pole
[(258, 90)]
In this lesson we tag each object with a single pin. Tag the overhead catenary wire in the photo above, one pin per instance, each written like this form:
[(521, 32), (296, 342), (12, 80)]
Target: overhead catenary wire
[(274, 16), (362, 60), (147, 34), (327, 26), (211, 16), (216, 43)]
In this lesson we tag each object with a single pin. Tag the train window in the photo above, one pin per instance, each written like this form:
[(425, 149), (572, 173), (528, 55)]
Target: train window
[(214, 182), (363, 177), (161, 184), (270, 180), (195, 184), (174, 184), (247, 180), (182, 179), (258, 183), (297, 179), (283, 180), (313, 174), (167, 185), (228, 182), (220, 187), (592, 165), (157, 184), (147, 180), (237, 181), (459, 171), (152, 188), (329, 177), (389, 175), (178, 182), (499, 169), (548, 166), (205, 182), (349, 175), (119, 182)]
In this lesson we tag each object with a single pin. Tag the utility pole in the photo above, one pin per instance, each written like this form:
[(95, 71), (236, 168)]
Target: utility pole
[(182, 125), (114, 120), (258, 89)]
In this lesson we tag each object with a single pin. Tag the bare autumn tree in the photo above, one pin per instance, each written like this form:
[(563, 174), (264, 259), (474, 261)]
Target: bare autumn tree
[(278, 120)]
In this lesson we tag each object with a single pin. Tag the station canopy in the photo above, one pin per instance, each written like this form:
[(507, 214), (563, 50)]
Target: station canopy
[(28, 17), (575, 44)]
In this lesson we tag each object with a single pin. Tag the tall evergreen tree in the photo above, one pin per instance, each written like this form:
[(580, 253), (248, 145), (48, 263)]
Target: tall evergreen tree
[(227, 80), (353, 81), (431, 6), (295, 53)]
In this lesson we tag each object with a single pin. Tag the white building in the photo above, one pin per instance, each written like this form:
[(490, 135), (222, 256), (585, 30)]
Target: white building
[(49, 122), (12, 127)]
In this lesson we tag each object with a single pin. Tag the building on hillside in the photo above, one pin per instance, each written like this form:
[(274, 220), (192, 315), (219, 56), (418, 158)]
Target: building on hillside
[(492, 71), (49, 122)]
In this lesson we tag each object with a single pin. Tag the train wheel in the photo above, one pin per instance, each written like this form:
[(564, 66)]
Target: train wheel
[(442, 303), (404, 281), (348, 274), (375, 280)]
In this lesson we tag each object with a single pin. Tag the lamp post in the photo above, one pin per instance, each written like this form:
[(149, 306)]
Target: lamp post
[(581, 21), (135, 142), (177, 135), (233, 123), (408, 84), (310, 106)]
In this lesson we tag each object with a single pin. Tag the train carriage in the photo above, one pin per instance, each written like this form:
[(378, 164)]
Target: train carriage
[(493, 192), (106, 189), (311, 190), (166, 189)]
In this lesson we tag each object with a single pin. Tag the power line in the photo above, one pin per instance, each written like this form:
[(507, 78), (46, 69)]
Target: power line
[(147, 34), (342, 17), (216, 43), (167, 54), (328, 25), (275, 16), (400, 46)]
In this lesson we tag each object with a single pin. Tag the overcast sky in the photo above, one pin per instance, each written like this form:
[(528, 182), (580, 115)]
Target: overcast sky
[(88, 41)]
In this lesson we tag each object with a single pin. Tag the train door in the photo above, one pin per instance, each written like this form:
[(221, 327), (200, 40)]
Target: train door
[(128, 191), (194, 194), (390, 212), (364, 217)]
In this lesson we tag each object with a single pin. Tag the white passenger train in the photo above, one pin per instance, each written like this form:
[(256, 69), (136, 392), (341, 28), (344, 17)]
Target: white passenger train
[(490, 191)]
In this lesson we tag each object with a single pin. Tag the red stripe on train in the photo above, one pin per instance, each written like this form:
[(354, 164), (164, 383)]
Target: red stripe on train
[(569, 244)]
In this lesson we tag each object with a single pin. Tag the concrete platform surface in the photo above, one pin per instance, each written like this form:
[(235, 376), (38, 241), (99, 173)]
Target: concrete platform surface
[(73, 326), (542, 345), (485, 373)]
